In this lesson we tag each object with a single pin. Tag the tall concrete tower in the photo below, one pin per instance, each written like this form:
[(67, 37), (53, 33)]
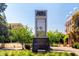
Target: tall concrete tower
[(40, 41), (40, 23)]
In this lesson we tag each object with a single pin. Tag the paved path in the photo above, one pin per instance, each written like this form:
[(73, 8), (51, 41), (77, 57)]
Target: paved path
[(68, 49), (11, 49)]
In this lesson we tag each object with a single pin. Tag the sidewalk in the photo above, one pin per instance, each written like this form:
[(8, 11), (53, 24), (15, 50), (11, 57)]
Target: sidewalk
[(69, 49), (11, 49)]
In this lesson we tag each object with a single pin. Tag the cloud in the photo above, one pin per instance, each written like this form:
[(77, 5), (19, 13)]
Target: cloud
[(75, 8)]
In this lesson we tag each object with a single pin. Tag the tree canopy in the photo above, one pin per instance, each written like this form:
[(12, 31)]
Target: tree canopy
[(55, 37)]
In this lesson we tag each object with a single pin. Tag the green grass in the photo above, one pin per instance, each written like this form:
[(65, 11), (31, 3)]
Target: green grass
[(54, 45), (30, 53)]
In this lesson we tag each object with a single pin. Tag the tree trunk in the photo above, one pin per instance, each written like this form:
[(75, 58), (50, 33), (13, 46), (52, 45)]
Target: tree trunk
[(23, 46), (10, 41)]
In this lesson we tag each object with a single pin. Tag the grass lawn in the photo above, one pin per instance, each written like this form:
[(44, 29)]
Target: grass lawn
[(30, 53)]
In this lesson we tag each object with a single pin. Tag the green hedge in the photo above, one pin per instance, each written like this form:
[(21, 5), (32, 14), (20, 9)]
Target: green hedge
[(54, 45)]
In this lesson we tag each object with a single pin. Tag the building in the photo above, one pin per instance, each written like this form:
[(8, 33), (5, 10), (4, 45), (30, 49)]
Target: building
[(15, 25), (72, 27)]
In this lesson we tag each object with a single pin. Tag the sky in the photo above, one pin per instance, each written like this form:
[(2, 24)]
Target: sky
[(24, 13)]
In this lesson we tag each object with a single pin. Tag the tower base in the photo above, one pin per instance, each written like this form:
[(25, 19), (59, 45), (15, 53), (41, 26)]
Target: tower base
[(40, 44)]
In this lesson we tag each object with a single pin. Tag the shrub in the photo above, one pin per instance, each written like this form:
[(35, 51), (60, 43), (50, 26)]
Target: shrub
[(73, 54), (55, 37), (54, 45), (27, 47), (76, 45)]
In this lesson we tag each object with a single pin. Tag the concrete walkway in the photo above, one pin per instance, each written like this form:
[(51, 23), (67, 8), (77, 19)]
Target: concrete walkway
[(68, 49), (11, 49)]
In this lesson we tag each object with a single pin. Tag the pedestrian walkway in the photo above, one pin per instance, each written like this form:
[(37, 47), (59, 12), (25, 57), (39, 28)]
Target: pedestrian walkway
[(68, 49)]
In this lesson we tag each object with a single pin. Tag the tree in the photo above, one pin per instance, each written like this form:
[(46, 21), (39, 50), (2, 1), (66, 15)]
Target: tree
[(22, 34), (55, 37), (65, 39), (3, 23), (12, 35)]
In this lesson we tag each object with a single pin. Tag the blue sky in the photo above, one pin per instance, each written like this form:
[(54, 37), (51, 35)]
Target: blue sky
[(25, 14)]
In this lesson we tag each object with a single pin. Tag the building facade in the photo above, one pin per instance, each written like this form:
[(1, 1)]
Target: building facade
[(72, 27), (15, 25)]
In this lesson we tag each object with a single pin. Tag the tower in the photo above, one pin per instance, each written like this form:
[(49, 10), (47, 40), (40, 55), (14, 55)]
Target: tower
[(40, 41)]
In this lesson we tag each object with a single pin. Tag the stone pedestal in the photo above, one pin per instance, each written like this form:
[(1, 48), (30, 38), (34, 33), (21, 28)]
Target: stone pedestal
[(40, 44)]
